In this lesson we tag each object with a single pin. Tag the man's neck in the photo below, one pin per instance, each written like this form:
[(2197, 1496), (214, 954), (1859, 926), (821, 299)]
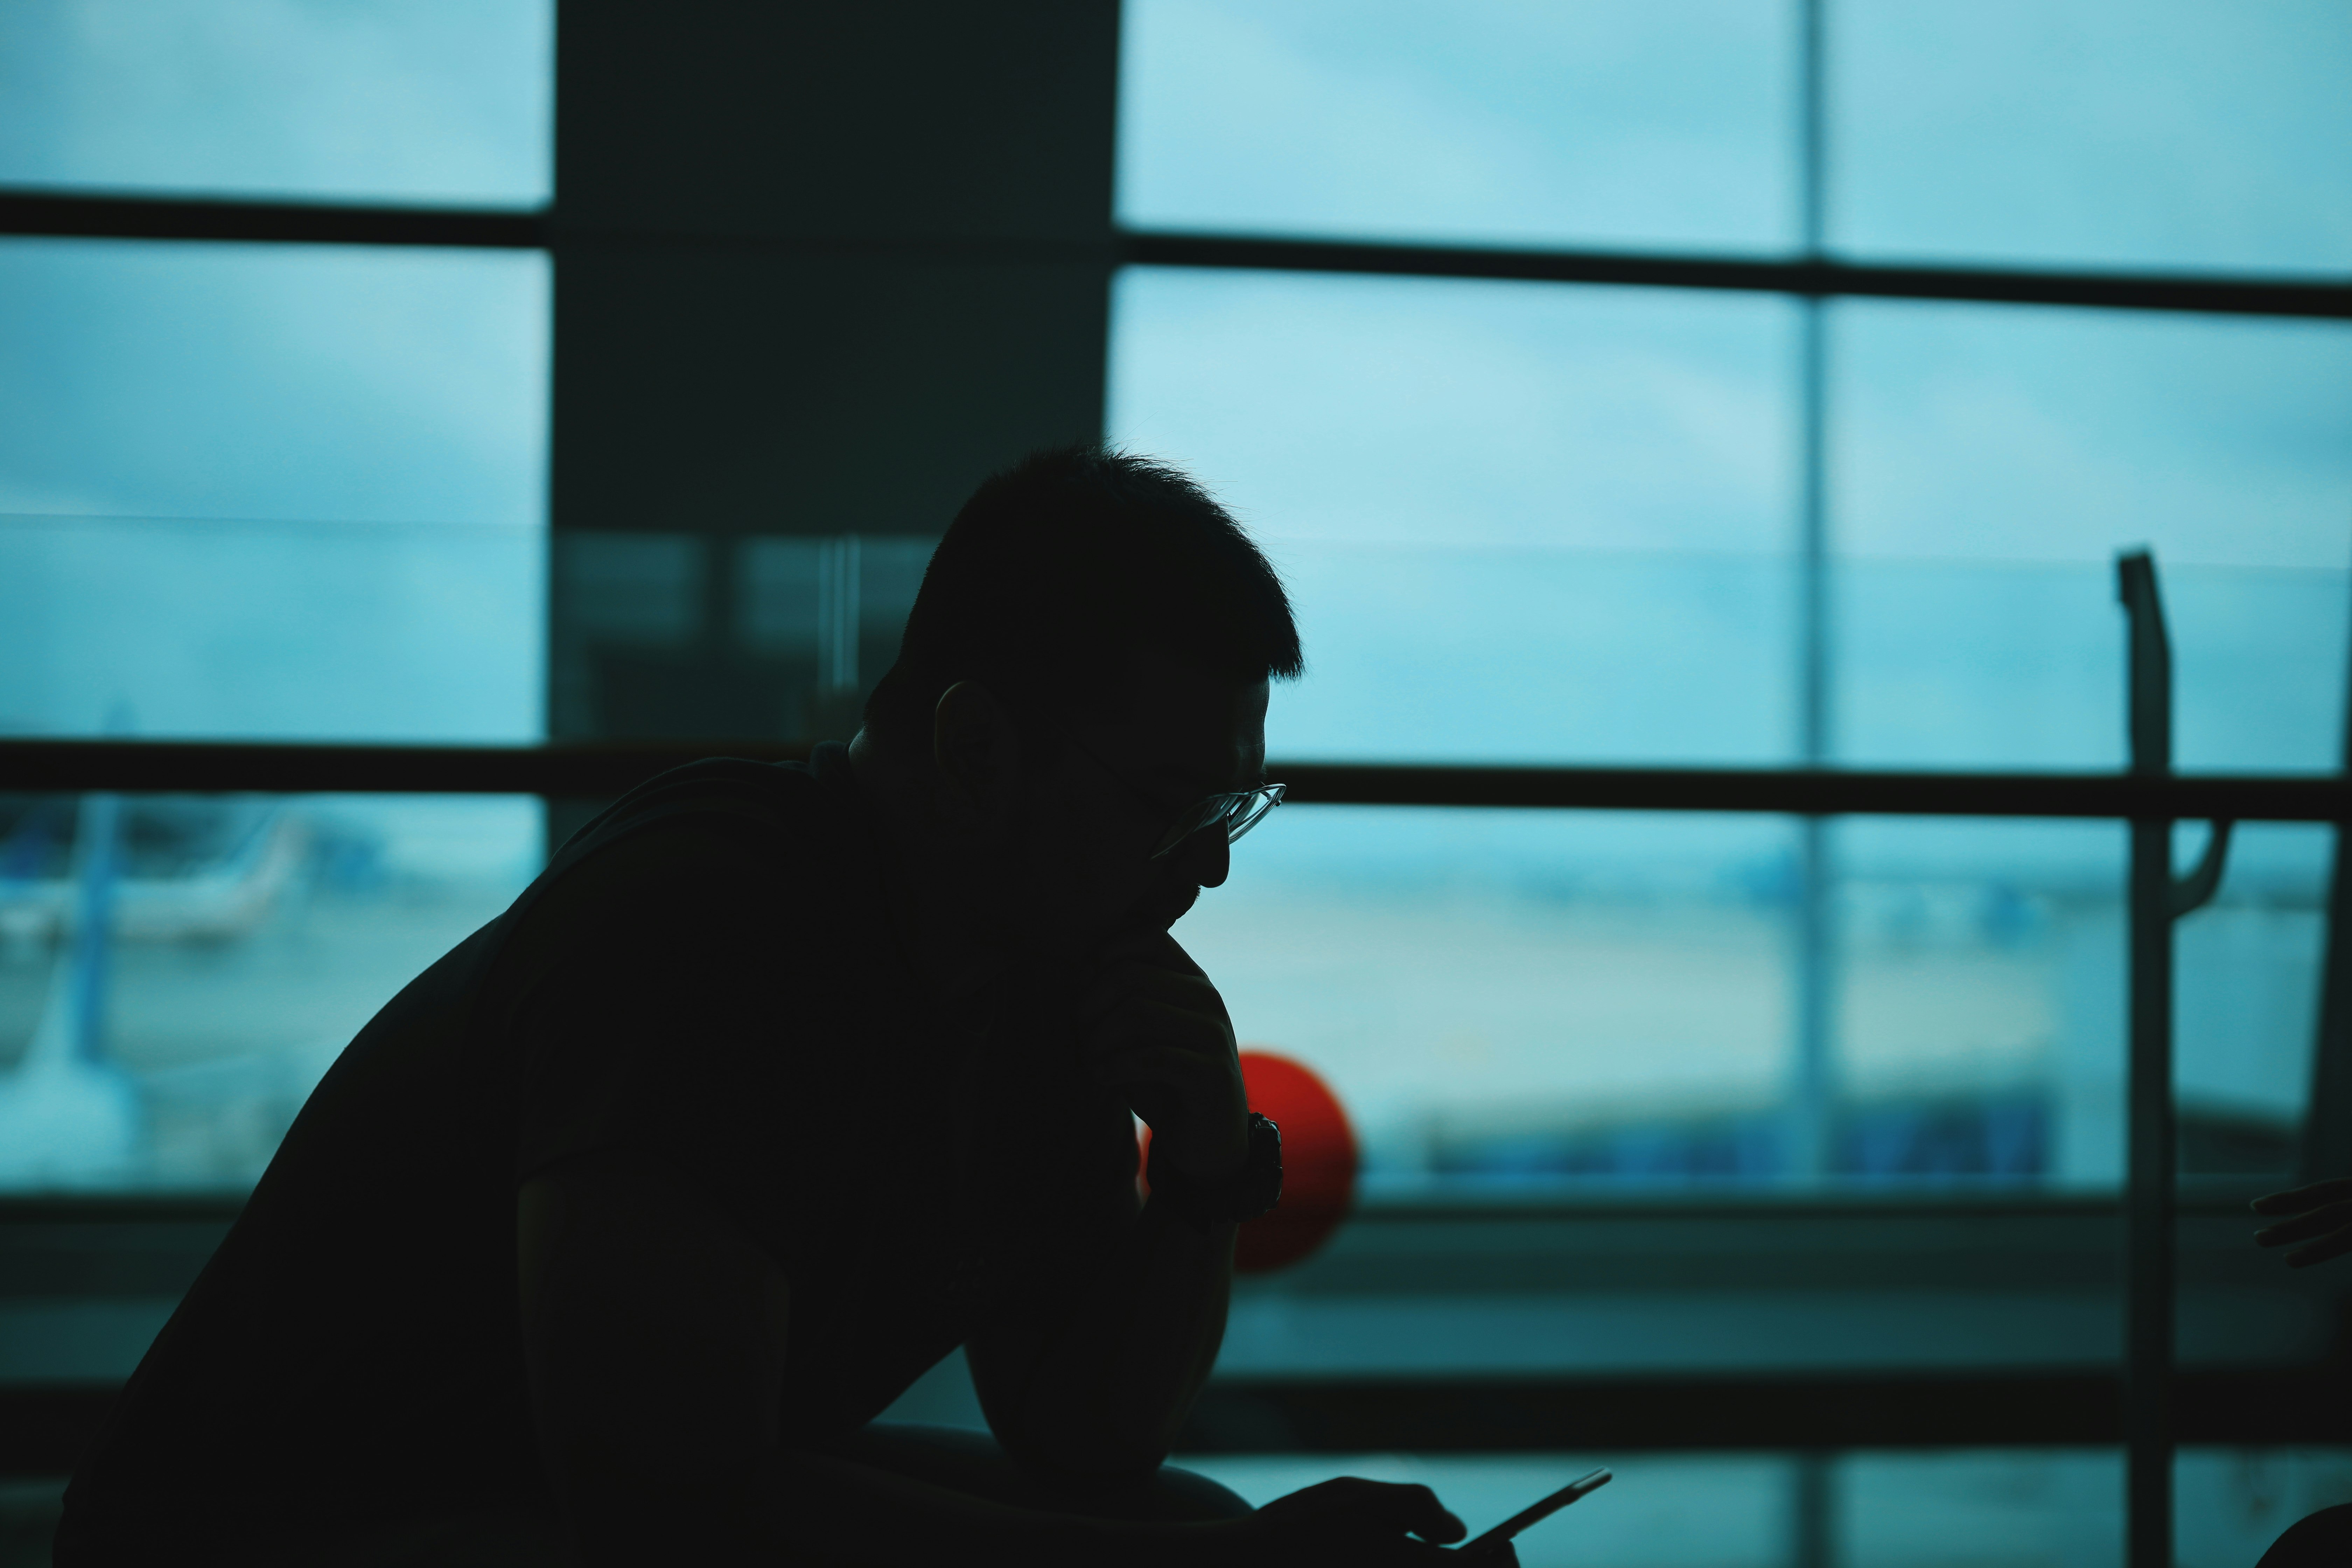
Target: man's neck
[(944, 929)]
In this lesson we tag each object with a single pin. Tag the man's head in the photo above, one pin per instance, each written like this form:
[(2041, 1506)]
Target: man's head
[(1087, 659)]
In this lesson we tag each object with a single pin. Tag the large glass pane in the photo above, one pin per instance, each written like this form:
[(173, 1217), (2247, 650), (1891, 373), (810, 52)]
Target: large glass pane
[(247, 630), (1431, 654), (2037, 433), (2231, 1504), (1722, 1510), (1439, 411), (2167, 134), (1972, 664), (1668, 123), (1509, 997), (1521, 522), (2246, 1000), (1519, 1001), (421, 100), (1986, 1505), (1884, 1509), (1896, 1510), (177, 971), (1981, 990), (319, 383), (1977, 1029)]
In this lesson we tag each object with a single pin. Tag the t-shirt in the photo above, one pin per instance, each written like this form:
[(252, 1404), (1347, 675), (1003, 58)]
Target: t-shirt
[(709, 974)]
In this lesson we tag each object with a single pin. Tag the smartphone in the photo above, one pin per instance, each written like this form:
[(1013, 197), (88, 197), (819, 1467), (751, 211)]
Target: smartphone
[(1544, 1509)]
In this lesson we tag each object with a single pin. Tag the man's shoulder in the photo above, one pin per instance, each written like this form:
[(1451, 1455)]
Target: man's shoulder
[(716, 794), (723, 840)]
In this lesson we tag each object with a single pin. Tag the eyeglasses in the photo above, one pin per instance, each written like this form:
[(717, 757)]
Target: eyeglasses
[(1238, 811)]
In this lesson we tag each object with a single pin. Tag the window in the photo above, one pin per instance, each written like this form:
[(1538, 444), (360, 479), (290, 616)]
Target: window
[(256, 491), (1722, 383), (429, 101), (1580, 522), (1649, 126), (2180, 136)]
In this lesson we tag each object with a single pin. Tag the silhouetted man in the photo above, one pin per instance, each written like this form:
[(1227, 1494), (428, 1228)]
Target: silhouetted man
[(611, 1234)]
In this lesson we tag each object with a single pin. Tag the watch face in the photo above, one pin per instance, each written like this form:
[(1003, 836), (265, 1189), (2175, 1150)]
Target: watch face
[(1316, 1152), (1263, 1180)]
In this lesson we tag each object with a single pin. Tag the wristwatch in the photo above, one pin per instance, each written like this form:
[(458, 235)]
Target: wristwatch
[(1248, 1193)]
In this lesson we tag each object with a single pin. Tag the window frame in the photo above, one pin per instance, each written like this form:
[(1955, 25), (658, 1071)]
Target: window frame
[(1813, 791)]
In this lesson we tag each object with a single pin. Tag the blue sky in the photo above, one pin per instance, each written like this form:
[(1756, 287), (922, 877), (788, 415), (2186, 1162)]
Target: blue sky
[(423, 100), (2156, 133), (1524, 523)]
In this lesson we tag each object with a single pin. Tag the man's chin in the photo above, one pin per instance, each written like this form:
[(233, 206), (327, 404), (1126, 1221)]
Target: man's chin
[(1156, 911), (1055, 946)]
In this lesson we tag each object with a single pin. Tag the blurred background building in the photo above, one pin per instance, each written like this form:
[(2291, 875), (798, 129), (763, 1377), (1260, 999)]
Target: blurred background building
[(1739, 383)]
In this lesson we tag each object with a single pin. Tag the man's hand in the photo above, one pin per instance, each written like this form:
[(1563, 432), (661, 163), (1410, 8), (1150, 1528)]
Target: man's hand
[(1157, 1031), (1350, 1523), (2325, 1222)]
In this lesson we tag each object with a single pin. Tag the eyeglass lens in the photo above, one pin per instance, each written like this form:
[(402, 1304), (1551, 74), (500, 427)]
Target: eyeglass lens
[(1238, 813)]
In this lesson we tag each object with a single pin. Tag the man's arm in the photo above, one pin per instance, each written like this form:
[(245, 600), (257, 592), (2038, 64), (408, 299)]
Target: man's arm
[(655, 1333), (1089, 1375)]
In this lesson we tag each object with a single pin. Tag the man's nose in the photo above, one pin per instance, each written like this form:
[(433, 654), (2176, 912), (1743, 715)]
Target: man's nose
[(1207, 856)]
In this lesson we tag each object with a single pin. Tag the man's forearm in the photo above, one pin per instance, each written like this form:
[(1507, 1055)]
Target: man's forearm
[(1106, 1387)]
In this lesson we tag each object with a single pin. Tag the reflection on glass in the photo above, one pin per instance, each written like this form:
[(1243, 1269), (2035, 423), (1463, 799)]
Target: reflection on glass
[(1662, 1509), (426, 100), (1887, 1509), (1511, 995), (1439, 411), (177, 971), (283, 630), (1424, 654), (1526, 998), (2030, 433), (1424, 460), (2061, 1505), (2164, 134), (2246, 999), (1979, 1000), (697, 637), (344, 383), (1661, 124), (1437, 655)]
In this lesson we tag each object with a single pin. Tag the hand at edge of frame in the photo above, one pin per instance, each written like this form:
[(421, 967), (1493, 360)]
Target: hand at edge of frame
[(2321, 1220)]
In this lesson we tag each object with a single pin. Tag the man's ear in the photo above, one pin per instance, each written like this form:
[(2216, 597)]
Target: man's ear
[(979, 761)]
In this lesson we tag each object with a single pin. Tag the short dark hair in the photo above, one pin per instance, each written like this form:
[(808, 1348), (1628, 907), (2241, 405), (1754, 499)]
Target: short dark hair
[(1063, 570)]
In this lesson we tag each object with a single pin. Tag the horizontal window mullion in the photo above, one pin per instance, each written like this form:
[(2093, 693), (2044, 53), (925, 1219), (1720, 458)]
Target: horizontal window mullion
[(2222, 295), (607, 768), (83, 215)]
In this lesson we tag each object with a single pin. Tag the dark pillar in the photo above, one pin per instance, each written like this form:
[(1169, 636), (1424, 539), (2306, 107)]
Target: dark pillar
[(818, 270)]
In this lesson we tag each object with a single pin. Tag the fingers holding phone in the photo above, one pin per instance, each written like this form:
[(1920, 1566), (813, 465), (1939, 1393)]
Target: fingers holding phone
[(1351, 1521), (1491, 1546)]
